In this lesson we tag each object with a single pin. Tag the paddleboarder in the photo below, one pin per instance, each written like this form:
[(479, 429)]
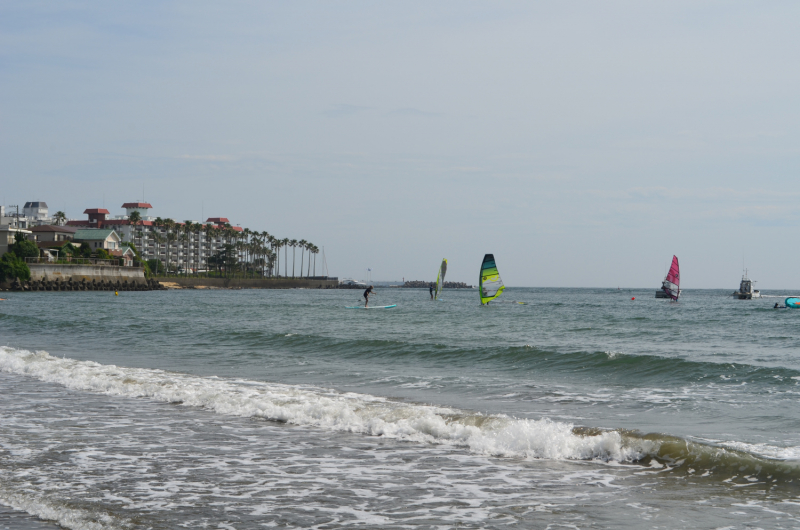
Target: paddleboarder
[(366, 295)]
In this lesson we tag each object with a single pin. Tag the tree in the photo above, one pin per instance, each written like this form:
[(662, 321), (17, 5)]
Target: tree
[(159, 239), (285, 243), (85, 250), (134, 219), (13, 267), (68, 249), (315, 251), (293, 244), (60, 218), (302, 244), (24, 248), (101, 253)]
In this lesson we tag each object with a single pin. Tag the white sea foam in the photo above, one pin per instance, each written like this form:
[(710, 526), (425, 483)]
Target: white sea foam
[(67, 517), (358, 413)]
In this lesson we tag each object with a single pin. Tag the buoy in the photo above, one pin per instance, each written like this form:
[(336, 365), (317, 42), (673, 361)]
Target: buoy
[(116, 293), (633, 298)]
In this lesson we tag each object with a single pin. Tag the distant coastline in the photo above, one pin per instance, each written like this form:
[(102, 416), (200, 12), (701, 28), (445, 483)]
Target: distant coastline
[(418, 284)]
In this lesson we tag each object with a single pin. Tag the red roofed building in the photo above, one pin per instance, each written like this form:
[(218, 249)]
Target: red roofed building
[(141, 207), (179, 248)]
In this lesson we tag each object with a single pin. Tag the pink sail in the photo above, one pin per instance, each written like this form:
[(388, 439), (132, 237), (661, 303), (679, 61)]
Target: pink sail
[(672, 283)]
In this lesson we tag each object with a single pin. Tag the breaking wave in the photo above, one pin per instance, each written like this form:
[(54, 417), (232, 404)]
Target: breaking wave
[(487, 434)]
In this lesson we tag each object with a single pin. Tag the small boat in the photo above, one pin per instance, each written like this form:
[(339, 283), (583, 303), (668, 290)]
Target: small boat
[(746, 291), (670, 287), (490, 284), (440, 280)]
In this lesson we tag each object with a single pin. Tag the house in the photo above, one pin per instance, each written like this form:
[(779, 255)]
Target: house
[(52, 249), (8, 237), (41, 234), (104, 238), (124, 252)]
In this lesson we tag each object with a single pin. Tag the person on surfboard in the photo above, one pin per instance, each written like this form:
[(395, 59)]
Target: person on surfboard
[(366, 295)]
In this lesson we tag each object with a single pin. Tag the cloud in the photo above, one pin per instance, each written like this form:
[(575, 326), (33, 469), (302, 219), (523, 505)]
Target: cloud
[(416, 113), (343, 109), (213, 158)]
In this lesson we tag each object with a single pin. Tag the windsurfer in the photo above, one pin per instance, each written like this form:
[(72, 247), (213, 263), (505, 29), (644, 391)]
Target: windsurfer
[(431, 290), (366, 295)]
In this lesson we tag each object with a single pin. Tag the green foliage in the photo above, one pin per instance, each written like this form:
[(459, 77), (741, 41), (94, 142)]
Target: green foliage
[(24, 248), (19, 236), (85, 250), (146, 266), (13, 267), (136, 254), (68, 248), (102, 254), (155, 265)]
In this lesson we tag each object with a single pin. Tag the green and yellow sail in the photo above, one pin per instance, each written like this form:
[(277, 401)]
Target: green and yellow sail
[(440, 280), (491, 286)]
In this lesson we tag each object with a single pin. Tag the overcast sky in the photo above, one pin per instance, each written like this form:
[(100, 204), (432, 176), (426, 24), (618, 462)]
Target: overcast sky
[(583, 143)]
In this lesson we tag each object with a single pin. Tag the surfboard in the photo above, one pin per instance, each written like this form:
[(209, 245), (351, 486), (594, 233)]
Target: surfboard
[(371, 307), (793, 302)]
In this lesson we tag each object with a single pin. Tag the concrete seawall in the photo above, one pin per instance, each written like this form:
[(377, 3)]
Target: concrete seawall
[(98, 273), (239, 283)]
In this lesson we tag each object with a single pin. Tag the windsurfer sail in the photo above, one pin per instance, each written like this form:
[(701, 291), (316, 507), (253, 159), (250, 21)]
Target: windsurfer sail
[(491, 286), (440, 280), (672, 283)]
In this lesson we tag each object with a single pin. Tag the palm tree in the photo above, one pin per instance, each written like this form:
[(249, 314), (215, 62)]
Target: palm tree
[(246, 232), (285, 243), (183, 234), (197, 229), (158, 239), (134, 219), (211, 234), (293, 244), (169, 226), (61, 218), (158, 224), (315, 250), (302, 244)]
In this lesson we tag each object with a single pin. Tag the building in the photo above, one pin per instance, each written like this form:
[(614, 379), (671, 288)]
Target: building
[(186, 245), (126, 253), (36, 210), (8, 236), (34, 213), (141, 207), (104, 238), (47, 233)]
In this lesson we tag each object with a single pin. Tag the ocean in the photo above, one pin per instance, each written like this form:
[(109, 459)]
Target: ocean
[(260, 408)]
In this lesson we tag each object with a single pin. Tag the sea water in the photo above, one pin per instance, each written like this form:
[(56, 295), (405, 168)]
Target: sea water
[(246, 409)]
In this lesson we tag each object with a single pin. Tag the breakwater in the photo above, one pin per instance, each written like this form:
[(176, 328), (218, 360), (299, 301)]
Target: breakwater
[(83, 285), (417, 284), (77, 273), (247, 283), (84, 277)]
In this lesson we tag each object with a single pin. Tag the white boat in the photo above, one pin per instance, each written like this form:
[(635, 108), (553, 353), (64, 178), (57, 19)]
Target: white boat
[(746, 291), (352, 283)]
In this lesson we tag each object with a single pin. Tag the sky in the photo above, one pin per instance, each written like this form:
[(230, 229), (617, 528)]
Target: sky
[(582, 143)]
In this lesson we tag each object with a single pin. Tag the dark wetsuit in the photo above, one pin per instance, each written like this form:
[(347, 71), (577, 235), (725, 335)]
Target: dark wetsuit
[(431, 290), (366, 295)]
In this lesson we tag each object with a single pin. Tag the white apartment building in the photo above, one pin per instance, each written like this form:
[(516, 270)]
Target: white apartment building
[(184, 251), (34, 213)]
